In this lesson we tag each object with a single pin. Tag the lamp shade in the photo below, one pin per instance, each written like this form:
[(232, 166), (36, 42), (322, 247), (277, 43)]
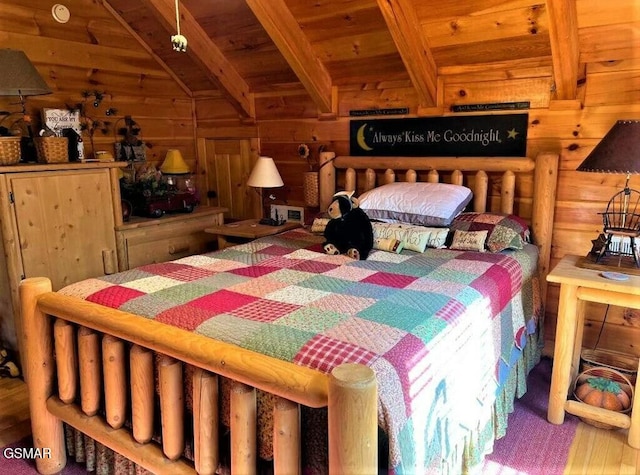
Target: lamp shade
[(617, 152), (265, 174), (174, 164), (19, 77)]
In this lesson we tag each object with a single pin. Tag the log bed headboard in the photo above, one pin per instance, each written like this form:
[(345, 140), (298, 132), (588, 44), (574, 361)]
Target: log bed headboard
[(473, 172)]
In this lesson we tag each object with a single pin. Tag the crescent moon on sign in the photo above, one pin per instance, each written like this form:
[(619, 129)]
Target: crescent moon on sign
[(360, 138)]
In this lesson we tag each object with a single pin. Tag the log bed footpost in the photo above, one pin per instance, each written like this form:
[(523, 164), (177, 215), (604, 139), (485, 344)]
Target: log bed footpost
[(90, 363), (171, 407), (243, 429), (66, 360), (353, 420), (205, 422), (286, 437), (47, 430), (142, 393), (115, 380)]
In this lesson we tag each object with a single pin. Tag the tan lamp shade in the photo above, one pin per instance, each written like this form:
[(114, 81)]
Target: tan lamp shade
[(174, 164), (265, 174), (19, 77)]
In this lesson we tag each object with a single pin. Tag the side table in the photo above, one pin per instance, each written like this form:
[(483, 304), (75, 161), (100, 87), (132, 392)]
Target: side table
[(578, 286), (248, 230)]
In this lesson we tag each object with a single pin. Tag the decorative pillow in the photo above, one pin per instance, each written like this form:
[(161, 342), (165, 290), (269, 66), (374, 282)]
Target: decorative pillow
[(391, 245), (415, 238), (469, 240), (319, 224), (427, 204), (505, 231)]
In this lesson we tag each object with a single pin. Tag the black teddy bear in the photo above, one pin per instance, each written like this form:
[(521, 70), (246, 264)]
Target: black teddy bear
[(349, 230)]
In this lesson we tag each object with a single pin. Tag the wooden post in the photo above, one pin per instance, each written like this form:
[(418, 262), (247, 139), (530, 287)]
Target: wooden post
[(115, 380), (37, 331), (243, 429), (286, 437), (327, 177), (205, 422), (480, 192), (142, 393), (90, 370), (171, 407), (507, 193), (353, 420), (544, 202), (66, 360)]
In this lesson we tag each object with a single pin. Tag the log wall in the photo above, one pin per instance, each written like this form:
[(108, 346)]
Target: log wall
[(94, 52)]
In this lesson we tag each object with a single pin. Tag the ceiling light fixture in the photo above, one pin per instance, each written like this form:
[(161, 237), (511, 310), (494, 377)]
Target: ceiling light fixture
[(178, 41)]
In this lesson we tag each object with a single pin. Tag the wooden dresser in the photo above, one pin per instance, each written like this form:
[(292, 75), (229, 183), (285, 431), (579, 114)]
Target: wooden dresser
[(147, 240), (58, 221)]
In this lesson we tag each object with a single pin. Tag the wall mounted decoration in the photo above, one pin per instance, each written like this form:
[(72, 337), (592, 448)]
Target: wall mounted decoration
[(471, 136)]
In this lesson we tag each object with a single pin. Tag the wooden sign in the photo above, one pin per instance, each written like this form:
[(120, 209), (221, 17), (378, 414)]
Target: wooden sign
[(494, 106), (366, 112), (470, 136)]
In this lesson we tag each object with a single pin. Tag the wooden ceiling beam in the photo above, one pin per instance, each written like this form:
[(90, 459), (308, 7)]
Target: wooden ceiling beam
[(202, 50), (413, 47), (565, 51), (285, 32)]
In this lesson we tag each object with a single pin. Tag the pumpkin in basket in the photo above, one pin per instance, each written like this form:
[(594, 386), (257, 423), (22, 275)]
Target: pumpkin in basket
[(602, 392)]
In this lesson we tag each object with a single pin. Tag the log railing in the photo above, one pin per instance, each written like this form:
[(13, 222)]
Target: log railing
[(77, 356)]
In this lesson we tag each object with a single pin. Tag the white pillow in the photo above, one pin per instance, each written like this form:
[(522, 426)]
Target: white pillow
[(427, 204), (415, 238)]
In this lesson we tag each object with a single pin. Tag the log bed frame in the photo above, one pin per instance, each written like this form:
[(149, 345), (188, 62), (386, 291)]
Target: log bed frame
[(70, 343)]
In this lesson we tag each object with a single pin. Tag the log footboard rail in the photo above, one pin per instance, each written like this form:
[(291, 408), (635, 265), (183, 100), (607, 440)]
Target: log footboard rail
[(92, 367)]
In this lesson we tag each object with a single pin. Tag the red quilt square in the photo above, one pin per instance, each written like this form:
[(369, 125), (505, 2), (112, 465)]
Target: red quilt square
[(186, 317), (222, 301), (254, 271), (114, 296)]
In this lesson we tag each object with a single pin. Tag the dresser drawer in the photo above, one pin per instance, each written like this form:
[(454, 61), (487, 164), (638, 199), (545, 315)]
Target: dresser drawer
[(166, 240), (168, 248)]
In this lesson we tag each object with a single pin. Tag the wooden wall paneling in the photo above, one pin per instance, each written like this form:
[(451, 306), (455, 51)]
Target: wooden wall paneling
[(599, 91), (282, 106), (535, 90), (515, 20)]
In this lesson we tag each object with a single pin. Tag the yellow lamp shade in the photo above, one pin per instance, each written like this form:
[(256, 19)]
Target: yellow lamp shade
[(174, 164)]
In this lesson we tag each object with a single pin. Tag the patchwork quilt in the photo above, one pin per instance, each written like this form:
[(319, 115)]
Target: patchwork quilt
[(442, 329)]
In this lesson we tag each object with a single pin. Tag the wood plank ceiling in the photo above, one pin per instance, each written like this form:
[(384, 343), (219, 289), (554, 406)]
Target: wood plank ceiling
[(246, 47)]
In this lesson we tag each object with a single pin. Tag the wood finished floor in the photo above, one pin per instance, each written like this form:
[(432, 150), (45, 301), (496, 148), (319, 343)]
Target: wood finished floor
[(593, 452)]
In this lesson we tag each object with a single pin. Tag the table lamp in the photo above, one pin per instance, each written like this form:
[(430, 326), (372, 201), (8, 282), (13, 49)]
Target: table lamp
[(619, 152), (176, 172), (265, 175), (20, 78)]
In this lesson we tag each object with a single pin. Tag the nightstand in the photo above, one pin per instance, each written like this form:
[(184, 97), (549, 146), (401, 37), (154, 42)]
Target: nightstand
[(578, 286), (142, 241), (247, 231)]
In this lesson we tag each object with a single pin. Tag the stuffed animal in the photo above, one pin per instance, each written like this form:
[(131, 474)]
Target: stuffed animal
[(349, 230)]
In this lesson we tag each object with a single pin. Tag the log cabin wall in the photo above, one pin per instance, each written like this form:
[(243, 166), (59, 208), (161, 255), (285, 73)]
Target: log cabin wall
[(244, 90), (93, 52)]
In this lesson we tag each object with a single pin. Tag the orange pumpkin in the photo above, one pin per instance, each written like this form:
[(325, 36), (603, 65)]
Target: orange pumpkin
[(602, 392)]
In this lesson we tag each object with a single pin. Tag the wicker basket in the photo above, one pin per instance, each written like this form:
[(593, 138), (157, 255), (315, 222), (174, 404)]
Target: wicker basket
[(612, 375), (52, 149), (310, 189), (9, 150), (625, 364)]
